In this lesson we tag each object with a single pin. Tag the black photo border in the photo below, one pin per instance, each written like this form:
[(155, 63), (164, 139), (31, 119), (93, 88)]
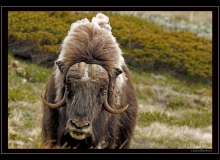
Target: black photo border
[(4, 77)]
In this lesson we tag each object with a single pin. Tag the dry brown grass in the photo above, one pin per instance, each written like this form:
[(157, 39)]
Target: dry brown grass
[(159, 135), (23, 131)]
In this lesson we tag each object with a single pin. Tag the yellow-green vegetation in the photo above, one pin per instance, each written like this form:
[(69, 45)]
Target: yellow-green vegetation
[(145, 45), (42, 28), (171, 113)]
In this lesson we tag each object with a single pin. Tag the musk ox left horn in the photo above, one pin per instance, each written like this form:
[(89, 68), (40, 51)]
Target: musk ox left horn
[(57, 105)]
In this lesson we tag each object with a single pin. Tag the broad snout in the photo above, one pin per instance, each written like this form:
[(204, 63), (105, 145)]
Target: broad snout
[(79, 129)]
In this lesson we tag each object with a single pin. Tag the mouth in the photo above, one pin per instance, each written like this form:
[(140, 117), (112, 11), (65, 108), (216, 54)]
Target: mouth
[(78, 135)]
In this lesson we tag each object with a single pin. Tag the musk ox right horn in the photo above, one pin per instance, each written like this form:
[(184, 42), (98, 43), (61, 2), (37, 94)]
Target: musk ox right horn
[(112, 110), (57, 105)]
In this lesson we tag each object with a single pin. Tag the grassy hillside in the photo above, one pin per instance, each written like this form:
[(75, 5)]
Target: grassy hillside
[(172, 113), (146, 46), (26, 83)]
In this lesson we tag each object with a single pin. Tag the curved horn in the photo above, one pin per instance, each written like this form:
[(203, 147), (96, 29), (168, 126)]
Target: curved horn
[(57, 105), (111, 110)]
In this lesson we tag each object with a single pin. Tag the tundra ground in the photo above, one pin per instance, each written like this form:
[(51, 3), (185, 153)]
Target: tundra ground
[(172, 113)]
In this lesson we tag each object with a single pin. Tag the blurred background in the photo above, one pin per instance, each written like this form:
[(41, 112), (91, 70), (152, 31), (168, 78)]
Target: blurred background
[(169, 54)]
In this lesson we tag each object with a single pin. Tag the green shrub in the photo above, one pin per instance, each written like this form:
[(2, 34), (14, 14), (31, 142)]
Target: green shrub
[(146, 46), (21, 80), (201, 118), (146, 118), (42, 28)]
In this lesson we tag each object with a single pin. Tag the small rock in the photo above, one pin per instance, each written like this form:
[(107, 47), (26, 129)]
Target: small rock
[(14, 64), (140, 105), (200, 91), (23, 80), (21, 71)]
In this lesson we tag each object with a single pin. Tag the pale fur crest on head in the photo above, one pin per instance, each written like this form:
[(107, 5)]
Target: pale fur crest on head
[(86, 37), (102, 21)]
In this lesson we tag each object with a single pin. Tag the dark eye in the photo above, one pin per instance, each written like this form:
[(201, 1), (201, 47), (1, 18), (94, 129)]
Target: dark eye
[(103, 93), (70, 94), (68, 81), (68, 85)]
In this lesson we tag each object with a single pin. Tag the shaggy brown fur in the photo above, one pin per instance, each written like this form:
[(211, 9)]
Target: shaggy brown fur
[(92, 43), (88, 42)]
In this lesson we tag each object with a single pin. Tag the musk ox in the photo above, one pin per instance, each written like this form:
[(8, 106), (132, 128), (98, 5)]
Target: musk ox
[(89, 100)]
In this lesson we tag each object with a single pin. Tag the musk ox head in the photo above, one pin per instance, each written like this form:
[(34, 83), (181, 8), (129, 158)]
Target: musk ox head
[(88, 77), (86, 93)]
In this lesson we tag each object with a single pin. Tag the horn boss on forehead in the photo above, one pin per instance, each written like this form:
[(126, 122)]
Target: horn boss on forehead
[(86, 71), (81, 71)]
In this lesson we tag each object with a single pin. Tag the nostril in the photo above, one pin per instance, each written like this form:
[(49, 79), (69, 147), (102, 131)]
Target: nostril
[(74, 124), (86, 125)]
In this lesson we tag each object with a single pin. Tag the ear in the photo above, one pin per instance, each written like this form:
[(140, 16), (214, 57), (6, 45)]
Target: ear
[(60, 65), (117, 71)]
